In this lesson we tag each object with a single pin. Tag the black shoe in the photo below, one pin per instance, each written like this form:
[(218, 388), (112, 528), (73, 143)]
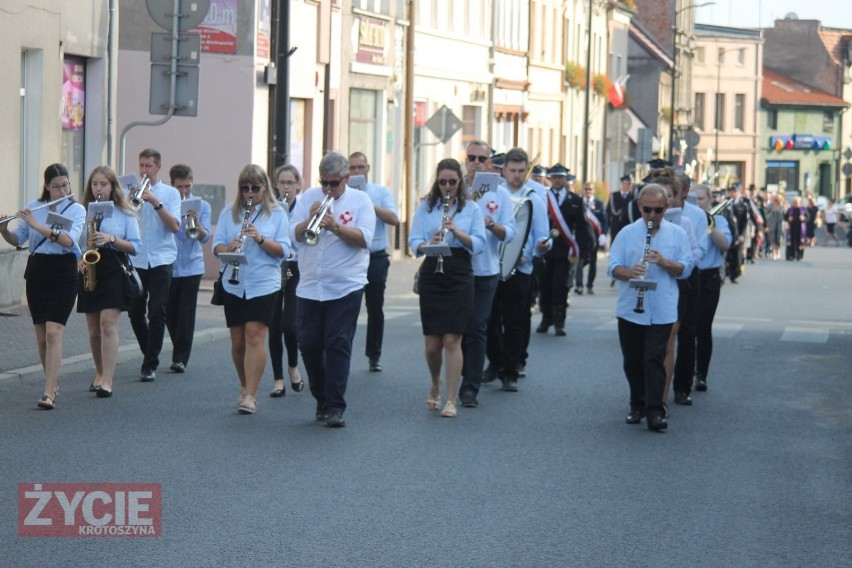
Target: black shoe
[(590, 292), (489, 374), (468, 399), (92, 387), (635, 417), (542, 327), (148, 376), (278, 393), (297, 387), (509, 385), (683, 398), (656, 423), (579, 291), (375, 366), (700, 383), (335, 420), (101, 392), (178, 367), (521, 371), (560, 331)]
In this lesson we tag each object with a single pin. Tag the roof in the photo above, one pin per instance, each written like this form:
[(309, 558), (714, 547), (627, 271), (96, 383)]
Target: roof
[(703, 30), (781, 90), (640, 34), (833, 40)]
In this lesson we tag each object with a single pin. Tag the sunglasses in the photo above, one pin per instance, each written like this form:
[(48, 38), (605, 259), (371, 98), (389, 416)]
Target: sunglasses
[(251, 188), (480, 159), (656, 210), (448, 182), (333, 184)]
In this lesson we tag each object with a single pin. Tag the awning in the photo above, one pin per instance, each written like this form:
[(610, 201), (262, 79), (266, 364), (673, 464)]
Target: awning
[(633, 132)]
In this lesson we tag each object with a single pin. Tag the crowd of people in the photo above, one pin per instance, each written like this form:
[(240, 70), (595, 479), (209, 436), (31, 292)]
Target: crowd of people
[(498, 234)]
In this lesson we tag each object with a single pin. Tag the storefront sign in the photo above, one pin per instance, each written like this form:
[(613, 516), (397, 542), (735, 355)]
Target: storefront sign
[(372, 39), (73, 93), (219, 29)]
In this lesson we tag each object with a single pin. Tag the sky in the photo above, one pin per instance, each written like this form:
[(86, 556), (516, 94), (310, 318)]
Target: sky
[(763, 13)]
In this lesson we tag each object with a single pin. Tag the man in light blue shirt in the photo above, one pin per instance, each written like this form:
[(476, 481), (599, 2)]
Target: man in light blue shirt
[(186, 271), (660, 254), (377, 272), (159, 222)]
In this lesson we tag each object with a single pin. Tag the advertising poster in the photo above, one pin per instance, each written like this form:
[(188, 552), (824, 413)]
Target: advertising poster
[(264, 29), (219, 29), (73, 93)]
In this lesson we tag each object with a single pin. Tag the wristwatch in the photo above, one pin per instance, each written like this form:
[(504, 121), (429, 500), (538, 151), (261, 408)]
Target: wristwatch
[(490, 224), (158, 206), (336, 230), (262, 238), (112, 239), (54, 234)]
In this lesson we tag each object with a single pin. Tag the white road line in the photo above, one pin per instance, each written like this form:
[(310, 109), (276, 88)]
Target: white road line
[(805, 335), (726, 330)]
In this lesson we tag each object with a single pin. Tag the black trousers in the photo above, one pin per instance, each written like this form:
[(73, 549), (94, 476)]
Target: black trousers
[(180, 315), (510, 312), (684, 369), (374, 296), (554, 290), (284, 327), (643, 348), (710, 283), (592, 273), (474, 341), (150, 328), (325, 331)]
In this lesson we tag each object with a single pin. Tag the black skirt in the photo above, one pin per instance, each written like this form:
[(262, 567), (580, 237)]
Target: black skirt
[(109, 286), (446, 300), (239, 311), (51, 286)]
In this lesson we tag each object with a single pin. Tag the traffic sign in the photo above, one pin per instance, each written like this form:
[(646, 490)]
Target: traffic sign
[(443, 124), (847, 170), (186, 90), (191, 12)]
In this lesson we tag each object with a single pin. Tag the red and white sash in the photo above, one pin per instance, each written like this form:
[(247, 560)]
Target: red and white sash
[(560, 224)]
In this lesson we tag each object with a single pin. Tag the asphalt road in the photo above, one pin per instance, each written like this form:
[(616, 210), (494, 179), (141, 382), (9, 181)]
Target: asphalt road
[(756, 473)]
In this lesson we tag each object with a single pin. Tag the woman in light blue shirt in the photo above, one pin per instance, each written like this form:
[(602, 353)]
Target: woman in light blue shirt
[(51, 273), (103, 299), (257, 226), (446, 282)]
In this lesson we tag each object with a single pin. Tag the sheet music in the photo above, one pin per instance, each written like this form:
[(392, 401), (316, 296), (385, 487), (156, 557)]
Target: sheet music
[(484, 182), (129, 180), (358, 182), (105, 209), (673, 215), (61, 222), (191, 204)]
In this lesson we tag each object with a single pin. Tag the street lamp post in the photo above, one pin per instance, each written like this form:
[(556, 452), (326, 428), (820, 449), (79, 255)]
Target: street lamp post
[(716, 122), (674, 70)]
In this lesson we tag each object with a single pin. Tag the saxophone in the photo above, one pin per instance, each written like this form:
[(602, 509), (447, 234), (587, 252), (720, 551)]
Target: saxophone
[(91, 256)]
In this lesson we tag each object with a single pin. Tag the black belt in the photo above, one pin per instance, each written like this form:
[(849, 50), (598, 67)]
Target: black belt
[(708, 270), (379, 254)]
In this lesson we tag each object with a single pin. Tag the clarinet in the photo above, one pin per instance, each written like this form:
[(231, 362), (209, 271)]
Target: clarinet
[(235, 271), (640, 297), (444, 218)]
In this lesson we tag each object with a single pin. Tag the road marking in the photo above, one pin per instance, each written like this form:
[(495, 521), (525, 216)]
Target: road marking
[(805, 335), (726, 330)]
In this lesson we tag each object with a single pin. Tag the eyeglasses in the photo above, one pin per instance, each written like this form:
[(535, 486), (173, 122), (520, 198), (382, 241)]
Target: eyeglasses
[(480, 159), (333, 184), (251, 188), (448, 182), (650, 210), (58, 186)]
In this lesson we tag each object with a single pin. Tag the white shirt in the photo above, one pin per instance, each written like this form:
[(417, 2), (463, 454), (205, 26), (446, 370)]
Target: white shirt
[(332, 268), (158, 243), (496, 204)]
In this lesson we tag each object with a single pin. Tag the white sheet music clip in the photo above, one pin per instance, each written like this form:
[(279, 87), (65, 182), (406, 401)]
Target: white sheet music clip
[(643, 283), (233, 257), (483, 182), (436, 249), (358, 182), (57, 221), (191, 204), (101, 210), (673, 215), (128, 181)]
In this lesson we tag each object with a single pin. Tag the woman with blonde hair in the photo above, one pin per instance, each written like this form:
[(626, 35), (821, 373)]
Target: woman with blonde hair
[(256, 226)]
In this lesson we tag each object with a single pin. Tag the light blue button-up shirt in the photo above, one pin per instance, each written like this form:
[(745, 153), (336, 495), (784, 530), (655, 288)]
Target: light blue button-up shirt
[(698, 218), (381, 197), (121, 224), (158, 243), (495, 204), (74, 211), (628, 249), (332, 268), (539, 230), (261, 275), (713, 257), (426, 223), (190, 255)]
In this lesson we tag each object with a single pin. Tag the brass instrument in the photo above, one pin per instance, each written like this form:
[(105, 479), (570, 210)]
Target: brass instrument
[(91, 256), (54, 202), (716, 210), (444, 218), (532, 166), (135, 196), (311, 234), (191, 228), (640, 297), (235, 271)]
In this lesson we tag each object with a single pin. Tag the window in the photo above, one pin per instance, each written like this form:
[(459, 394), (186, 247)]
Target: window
[(772, 119), (363, 123), (720, 56), (741, 56), (739, 112), (720, 112), (699, 111), (828, 121), (471, 123), (699, 55)]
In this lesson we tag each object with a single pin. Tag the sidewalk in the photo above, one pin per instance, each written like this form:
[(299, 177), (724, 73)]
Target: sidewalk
[(19, 362)]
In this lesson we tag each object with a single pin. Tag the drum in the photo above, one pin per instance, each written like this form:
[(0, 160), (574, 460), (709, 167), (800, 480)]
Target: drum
[(510, 253)]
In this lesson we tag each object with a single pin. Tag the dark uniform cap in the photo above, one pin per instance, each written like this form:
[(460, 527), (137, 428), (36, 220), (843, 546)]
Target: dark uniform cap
[(658, 163), (538, 171), (626, 177), (571, 178), (498, 160), (557, 170)]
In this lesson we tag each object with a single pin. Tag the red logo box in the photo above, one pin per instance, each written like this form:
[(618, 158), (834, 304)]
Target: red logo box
[(90, 509)]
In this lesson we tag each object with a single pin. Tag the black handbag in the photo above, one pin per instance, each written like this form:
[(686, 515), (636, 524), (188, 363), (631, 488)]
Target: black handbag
[(216, 299), (132, 282)]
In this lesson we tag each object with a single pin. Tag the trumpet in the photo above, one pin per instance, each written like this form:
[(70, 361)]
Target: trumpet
[(444, 218), (235, 271), (715, 210), (191, 228), (54, 202), (311, 234), (135, 196)]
